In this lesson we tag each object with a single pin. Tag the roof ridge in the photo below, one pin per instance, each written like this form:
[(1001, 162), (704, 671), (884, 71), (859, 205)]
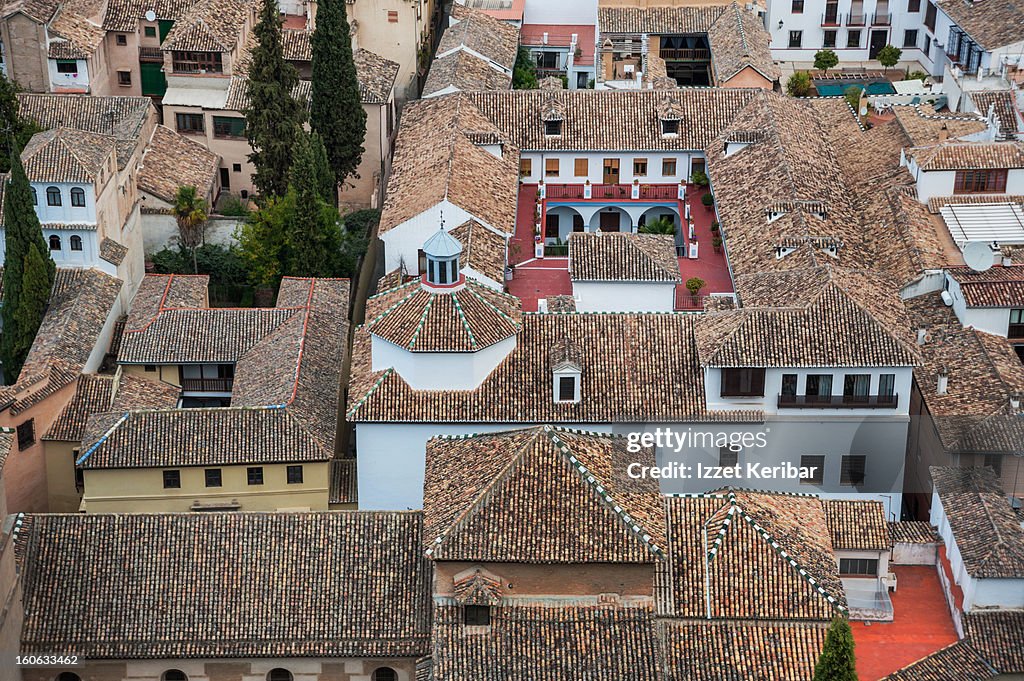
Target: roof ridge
[(465, 322), (831, 283), (422, 321), (372, 389)]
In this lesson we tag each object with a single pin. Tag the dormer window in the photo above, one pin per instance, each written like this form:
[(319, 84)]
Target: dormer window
[(670, 127), (566, 362), (553, 128), (566, 388), (476, 615)]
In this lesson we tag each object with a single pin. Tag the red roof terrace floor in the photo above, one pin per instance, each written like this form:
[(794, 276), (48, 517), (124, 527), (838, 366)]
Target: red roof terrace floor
[(921, 625)]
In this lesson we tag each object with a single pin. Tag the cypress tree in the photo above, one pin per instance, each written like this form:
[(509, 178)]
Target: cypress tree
[(837, 662), (12, 126), (311, 165), (23, 233), (314, 236), (336, 109), (272, 116)]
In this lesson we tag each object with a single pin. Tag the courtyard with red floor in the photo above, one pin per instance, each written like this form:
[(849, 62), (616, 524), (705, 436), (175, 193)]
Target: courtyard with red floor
[(536, 278), (921, 625)]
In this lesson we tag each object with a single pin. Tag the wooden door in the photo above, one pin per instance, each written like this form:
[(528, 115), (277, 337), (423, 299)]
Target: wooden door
[(610, 221), (611, 171)]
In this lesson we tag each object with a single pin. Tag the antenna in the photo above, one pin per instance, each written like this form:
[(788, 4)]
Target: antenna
[(150, 15), (978, 255)]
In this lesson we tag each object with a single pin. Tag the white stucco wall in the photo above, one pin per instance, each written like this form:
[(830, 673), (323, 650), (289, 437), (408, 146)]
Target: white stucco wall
[(66, 212), (934, 183), (595, 171), (402, 243), (440, 370), (561, 12), (994, 320), (625, 296), (78, 80), (161, 231)]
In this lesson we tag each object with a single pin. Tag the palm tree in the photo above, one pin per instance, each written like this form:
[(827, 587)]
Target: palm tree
[(190, 212), (660, 225)]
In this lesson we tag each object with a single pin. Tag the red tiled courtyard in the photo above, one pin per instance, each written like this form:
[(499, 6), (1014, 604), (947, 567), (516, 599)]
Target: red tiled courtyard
[(537, 278), (921, 625)]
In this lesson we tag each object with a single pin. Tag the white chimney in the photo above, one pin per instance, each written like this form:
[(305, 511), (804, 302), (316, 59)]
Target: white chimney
[(545, 38), (922, 334), (943, 382)]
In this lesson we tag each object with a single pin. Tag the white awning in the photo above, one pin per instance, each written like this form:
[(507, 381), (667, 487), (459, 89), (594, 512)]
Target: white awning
[(1001, 224)]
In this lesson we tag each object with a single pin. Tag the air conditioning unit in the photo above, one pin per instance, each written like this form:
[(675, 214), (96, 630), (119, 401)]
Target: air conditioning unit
[(890, 581)]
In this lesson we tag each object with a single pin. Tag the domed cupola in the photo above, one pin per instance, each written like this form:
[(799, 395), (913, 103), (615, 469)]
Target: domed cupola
[(443, 252)]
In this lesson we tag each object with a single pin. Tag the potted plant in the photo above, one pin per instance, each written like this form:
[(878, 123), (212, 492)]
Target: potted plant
[(699, 178), (708, 201), (717, 243), (694, 285), (715, 227)]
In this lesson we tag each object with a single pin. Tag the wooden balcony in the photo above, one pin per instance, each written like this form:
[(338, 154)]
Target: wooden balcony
[(151, 55), (685, 54), (838, 401), (206, 385)]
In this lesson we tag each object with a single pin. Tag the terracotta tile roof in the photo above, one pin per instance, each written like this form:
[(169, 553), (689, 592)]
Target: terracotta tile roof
[(124, 15), (936, 203), (561, 304), (482, 249), (158, 292), (656, 377), (995, 287), (238, 97), (436, 160), (6, 443), (599, 256), (75, 24), (969, 155), (1003, 102), (472, 317), (96, 393), (986, 529), (66, 155), (659, 20), (463, 71), (956, 662), (376, 76), (739, 40), (476, 31), (210, 26), (112, 251), (913, 532), (918, 245), (172, 161), (857, 525), (40, 10), (712, 651), (766, 557), (334, 574), (704, 114), (982, 372), (539, 496), (990, 24), (999, 636), (823, 317), (924, 126), (296, 45), (553, 639), (344, 488)]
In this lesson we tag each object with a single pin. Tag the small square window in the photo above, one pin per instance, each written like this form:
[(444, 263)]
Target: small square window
[(236, 167), (852, 472), (476, 615), (798, 6), (294, 475), (26, 434), (910, 39), (122, 39), (669, 127), (640, 167), (149, 31), (254, 475), (172, 479), (668, 167), (67, 66), (213, 478), (728, 457), (124, 77), (551, 167), (149, 367), (815, 465), (552, 128), (566, 388), (392, 17)]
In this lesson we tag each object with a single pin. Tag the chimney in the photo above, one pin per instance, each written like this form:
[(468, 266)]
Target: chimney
[(943, 382), (943, 133), (1015, 401), (922, 335), (1007, 254)]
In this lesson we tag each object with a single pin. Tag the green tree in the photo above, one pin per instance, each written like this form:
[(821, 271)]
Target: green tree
[(889, 56), (190, 212), (336, 109), (12, 126), (26, 276), (262, 239), (312, 166), (658, 226), (799, 84), (825, 60), (272, 114), (524, 72), (837, 662), (852, 95), (314, 236)]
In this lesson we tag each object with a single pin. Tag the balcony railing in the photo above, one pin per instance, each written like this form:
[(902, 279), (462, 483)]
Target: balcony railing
[(685, 54), (856, 19), (611, 191), (565, 191), (196, 67), (659, 191), (207, 385), (151, 54), (838, 401), (830, 19), (881, 19), (547, 71), (1016, 331), (663, 192)]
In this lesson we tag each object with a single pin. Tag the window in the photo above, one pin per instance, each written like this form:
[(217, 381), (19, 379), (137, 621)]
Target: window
[(76, 242), (857, 386), (551, 226), (174, 675), (525, 167), (852, 471), (78, 197), (914, 5), (392, 17), (728, 457), (236, 167), (798, 6), (1016, 329), (929, 17), (795, 38), (886, 386), (830, 39), (149, 31), (668, 167), (196, 62), (551, 167), (213, 477), (67, 66), (697, 165), (815, 465), (745, 382), (995, 462), (566, 388), (853, 38), (476, 615), (577, 222), (552, 128), (228, 126), (35, 199), (819, 385), (384, 674), (789, 384), (172, 479), (669, 127), (294, 475), (581, 167), (122, 39), (53, 196), (189, 122), (68, 676), (979, 181), (910, 38), (254, 475), (858, 566), (26, 434), (279, 674), (54, 243), (640, 167)]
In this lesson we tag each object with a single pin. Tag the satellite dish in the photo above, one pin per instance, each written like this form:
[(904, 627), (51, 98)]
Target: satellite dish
[(150, 15), (978, 255)]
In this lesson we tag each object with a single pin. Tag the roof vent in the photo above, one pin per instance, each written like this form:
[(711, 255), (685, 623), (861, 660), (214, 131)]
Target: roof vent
[(942, 386)]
